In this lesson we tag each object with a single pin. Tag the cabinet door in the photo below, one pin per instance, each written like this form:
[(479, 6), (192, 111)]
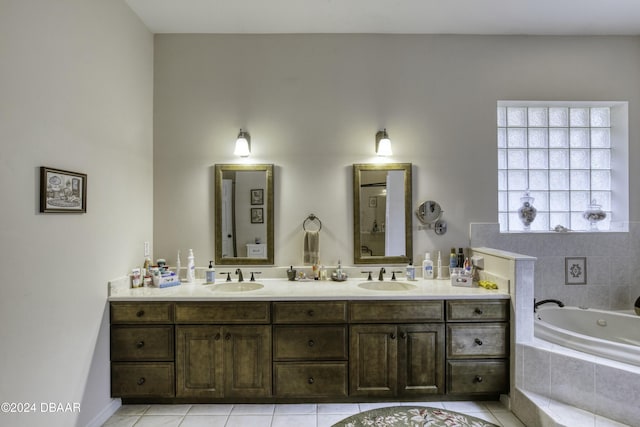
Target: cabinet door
[(247, 359), (199, 361), (373, 360), (420, 359)]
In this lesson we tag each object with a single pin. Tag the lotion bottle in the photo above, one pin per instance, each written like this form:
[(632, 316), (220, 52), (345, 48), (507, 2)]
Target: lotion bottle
[(191, 267), (411, 271), (427, 267), (178, 265), (439, 266)]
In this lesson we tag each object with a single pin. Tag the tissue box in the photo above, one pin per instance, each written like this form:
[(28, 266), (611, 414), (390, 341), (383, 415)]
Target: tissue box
[(460, 278), (165, 280)]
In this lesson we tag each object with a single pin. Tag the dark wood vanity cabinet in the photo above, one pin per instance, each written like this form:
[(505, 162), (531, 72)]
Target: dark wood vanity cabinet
[(396, 359), (308, 350), (477, 346)]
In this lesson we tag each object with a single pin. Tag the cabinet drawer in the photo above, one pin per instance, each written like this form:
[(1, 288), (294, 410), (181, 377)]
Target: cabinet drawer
[(237, 312), (396, 311), (141, 312), (310, 312), (477, 310), (477, 376), (327, 379), (142, 379), (129, 343), (468, 340), (310, 342)]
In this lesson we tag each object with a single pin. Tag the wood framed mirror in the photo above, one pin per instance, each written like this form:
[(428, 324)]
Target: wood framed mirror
[(382, 200), (244, 214)]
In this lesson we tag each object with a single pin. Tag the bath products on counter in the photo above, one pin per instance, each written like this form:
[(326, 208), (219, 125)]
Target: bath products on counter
[(440, 275), (178, 265), (339, 275), (453, 259), (411, 271), (427, 267), (191, 267), (460, 260), (211, 273)]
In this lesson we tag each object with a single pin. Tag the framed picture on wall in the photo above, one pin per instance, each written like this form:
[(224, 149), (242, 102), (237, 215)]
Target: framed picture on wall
[(62, 191), (257, 196), (373, 202), (257, 216), (575, 271)]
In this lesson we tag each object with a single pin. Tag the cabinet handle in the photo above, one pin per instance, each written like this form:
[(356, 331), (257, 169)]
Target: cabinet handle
[(311, 343), (393, 336), (477, 310), (311, 380), (140, 344), (478, 341), (141, 380), (477, 379), (140, 313), (227, 337), (217, 337), (310, 313), (403, 335)]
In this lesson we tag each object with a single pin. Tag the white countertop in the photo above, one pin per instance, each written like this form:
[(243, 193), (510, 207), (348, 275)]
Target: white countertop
[(283, 290)]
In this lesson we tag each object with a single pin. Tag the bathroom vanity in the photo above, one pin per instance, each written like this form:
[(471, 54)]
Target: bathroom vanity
[(311, 342)]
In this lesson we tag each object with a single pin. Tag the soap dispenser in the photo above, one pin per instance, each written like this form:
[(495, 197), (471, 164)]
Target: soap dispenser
[(191, 267), (411, 271), (211, 273)]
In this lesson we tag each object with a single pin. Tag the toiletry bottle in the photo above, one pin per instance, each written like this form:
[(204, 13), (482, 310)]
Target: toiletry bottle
[(427, 267), (439, 266), (460, 262), (411, 271), (211, 273), (178, 265), (453, 260), (191, 267)]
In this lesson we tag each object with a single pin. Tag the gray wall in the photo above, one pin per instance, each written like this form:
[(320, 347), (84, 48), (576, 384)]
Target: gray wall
[(313, 104), (77, 87)]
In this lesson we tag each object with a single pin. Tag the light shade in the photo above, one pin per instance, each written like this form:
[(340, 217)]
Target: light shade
[(383, 143), (243, 144)]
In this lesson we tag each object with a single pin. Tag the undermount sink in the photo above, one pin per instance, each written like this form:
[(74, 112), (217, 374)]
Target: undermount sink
[(237, 287), (387, 286)]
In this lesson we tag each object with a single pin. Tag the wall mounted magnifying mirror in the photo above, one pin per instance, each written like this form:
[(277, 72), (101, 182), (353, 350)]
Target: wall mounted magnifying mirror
[(429, 214), (382, 213), (244, 214)]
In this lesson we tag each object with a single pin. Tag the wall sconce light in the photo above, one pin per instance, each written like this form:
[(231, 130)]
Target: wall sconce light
[(243, 144), (383, 143)]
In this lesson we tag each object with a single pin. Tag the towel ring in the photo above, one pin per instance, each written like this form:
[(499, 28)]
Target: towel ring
[(312, 218)]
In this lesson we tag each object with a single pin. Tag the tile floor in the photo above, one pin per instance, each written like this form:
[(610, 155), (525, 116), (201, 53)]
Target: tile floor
[(280, 415)]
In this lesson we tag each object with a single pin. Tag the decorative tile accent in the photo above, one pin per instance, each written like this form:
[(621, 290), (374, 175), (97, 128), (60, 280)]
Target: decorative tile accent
[(575, 271)]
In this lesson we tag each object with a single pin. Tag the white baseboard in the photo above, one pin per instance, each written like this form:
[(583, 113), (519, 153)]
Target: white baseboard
[(105, 414)]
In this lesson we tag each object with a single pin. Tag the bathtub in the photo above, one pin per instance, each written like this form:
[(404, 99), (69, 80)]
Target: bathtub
[(613, 335)]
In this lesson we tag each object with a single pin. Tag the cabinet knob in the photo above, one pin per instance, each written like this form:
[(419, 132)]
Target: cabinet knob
[(393, 336), (477, 310), (140, 344), (478, 341), (403, 335), (217, 337), (227, 337), (477, 379), (310, 312), (141, 380), (140, 313), (311, 343), (311, 380)]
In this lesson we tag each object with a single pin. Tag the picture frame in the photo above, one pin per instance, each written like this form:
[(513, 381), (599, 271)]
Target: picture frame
[(575, 271), (373, 202), (257, 215), (62, 191), (257, 196)]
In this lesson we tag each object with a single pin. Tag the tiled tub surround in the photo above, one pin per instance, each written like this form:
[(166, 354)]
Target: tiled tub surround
[(551, 381)]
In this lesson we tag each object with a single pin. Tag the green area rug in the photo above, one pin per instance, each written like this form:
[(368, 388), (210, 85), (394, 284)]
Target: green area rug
[(413, 416)]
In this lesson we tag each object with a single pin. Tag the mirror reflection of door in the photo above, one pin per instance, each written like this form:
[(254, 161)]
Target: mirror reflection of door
[(395, 231), (228, 241)]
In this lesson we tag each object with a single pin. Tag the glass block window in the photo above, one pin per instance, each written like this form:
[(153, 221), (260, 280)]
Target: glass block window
[(563, 156)]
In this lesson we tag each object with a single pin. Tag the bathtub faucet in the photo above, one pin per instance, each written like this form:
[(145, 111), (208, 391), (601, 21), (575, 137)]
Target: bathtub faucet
[(544, 301)]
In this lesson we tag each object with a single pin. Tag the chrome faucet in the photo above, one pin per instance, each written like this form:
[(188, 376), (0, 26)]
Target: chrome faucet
[(239, 273), (380, 276), (545, 301)]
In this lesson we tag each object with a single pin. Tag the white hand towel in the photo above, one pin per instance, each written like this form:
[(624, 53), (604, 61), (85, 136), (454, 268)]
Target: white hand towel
[(311, 247)]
